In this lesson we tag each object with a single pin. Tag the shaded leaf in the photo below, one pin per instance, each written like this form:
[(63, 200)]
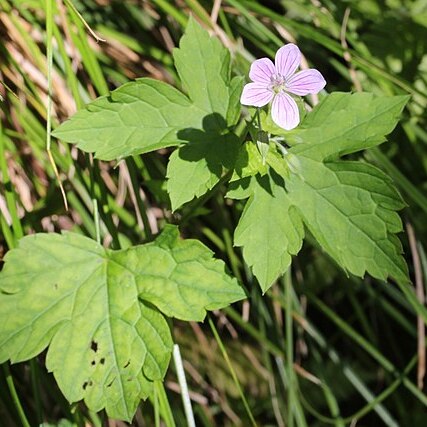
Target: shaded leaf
[(197, 167), (203, 65), (241, 189)]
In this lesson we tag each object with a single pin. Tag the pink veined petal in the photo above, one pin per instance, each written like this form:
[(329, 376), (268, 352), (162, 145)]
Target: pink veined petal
[(287, 60), (305, 82), (262, 70), (284, 111), (256, 94)]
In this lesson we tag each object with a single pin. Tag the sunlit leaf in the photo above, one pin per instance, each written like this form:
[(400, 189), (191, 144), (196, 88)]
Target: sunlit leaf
[(100, 311), (147, 115), (349, 207), (136, 118)]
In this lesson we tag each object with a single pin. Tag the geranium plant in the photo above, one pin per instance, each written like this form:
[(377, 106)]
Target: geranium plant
[(101, 312)]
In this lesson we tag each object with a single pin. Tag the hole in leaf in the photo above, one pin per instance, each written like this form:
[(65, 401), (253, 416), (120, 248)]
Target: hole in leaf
[(92, 363), (127, 364), (94, 346), (110, 384), (102, 360), (85, 384)]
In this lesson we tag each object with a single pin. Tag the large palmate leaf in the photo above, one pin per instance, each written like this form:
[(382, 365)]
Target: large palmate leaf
[(146, 115), (101, 310), (349, 207)]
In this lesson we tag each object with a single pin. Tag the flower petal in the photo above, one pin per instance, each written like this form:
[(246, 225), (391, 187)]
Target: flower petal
[(287, 60), (262, 70), (305, 82), (256, 94), (284, 111)]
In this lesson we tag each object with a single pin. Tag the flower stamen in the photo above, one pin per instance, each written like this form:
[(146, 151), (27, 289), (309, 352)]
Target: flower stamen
[(278, 83)]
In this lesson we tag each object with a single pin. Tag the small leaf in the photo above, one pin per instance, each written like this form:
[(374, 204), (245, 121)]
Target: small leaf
[(276, 162), (139, 117), (270, 231), (99, 311)]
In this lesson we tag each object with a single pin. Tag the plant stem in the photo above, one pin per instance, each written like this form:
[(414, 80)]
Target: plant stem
[(289, 347), (15, 396), (184, 388)]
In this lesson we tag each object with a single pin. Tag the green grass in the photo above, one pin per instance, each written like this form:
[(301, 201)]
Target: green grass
[(319, 348)]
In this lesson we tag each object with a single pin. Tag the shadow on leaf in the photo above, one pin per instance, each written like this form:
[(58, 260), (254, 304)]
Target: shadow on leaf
[(213, 143)]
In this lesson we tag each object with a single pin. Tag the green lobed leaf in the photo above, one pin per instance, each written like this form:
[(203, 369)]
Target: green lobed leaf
[(349, 207), (99, 310), (270, 230), (136, 118), (146, 115), (180, 277), (203, 65)]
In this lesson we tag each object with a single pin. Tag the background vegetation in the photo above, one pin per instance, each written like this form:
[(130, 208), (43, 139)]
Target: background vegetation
[(341, 351)]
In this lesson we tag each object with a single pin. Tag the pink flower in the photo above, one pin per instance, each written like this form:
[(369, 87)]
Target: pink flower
[(275, 82)]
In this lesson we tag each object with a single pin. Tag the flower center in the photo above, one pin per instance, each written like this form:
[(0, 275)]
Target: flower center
[(277, 83)]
